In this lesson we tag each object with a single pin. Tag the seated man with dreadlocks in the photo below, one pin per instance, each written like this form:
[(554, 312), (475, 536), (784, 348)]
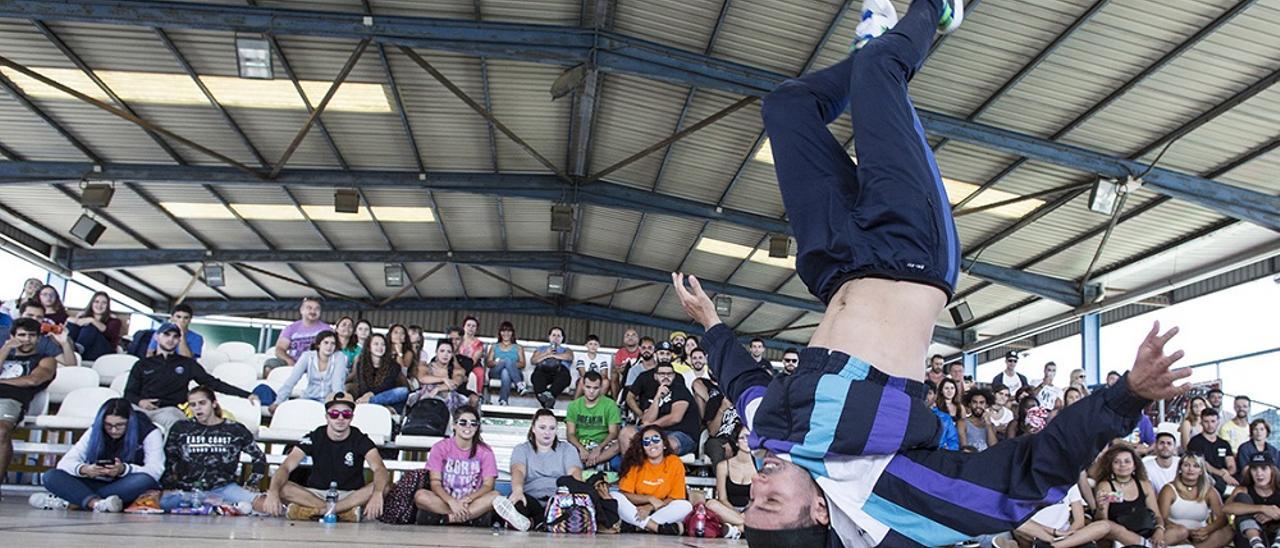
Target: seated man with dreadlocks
[(850, 452)]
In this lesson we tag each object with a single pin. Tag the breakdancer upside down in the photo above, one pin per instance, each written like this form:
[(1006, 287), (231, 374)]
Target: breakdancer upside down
[(850, 450)]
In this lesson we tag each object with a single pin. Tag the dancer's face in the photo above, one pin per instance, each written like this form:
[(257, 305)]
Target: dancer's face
[(784, 496)]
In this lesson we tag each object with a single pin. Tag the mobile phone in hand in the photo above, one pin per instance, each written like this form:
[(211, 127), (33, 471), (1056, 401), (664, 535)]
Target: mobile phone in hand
[(105, 462)]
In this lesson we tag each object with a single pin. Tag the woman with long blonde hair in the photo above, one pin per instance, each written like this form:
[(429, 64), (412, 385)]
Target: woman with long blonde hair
[(1192, 508)]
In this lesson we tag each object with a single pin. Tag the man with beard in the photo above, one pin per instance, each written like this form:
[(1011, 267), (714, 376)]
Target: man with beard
[(697, 368), (1236, 430), (645, 362), (158, 383), (23, 374), (935, 372), (975, 430), (1161, 466), (667, 404), (623, 359)]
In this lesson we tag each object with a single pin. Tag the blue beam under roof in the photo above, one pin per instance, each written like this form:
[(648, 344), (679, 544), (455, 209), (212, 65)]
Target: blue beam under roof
[(617, 53)]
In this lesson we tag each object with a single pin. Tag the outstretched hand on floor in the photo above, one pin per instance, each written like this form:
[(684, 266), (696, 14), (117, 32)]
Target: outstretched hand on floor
[(1151, 377), (695, 301)]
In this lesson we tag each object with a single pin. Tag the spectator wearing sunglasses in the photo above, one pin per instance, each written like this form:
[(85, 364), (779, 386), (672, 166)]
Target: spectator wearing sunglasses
[(338, 454), (463, 471), (790, 359), (651, 495)]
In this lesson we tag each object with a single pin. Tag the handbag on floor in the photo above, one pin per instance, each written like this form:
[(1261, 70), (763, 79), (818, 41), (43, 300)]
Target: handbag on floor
[(397, 506)]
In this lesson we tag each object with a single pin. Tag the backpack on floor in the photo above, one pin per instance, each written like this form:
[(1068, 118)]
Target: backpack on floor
[(571, 513), (397, 506)]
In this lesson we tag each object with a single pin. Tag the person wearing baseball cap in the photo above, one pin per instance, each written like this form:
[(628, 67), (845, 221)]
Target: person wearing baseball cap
[(158, 383), (338, 454), (1010, 378), (1256, 504)]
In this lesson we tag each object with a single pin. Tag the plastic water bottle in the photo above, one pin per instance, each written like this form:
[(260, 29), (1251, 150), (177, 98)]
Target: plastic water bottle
[(700, 522), (331, 504), (197, 498)]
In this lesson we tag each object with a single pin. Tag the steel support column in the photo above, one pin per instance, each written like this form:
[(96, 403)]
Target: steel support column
[(1091, 347)]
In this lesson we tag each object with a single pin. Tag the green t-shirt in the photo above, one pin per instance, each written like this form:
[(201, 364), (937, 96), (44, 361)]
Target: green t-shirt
[(593, 423)]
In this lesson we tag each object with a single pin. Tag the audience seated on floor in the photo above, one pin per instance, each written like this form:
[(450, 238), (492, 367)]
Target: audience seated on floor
[(202, 460), (462, 474), (338, 453), (651, 494), (535, 466), (118, 459)]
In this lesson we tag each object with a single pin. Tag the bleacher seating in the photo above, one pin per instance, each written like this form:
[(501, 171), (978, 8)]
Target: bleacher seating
[(237, 351), (277, 377), (212, 358), (119, 383), (374, 420), (111, 366), (238, 374), (244, 411), (292, 419), (79, 409), (69, 379)]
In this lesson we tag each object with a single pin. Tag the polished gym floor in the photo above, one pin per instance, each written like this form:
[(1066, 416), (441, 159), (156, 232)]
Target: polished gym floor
[(22, 526)]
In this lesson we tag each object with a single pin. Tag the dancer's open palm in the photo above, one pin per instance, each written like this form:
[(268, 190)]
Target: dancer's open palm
[(1151, 377)]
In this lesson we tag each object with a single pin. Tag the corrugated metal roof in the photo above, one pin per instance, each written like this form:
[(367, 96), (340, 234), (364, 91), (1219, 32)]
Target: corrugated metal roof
[(1000, 38)]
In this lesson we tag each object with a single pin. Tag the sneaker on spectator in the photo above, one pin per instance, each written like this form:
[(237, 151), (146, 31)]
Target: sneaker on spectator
[(424, 517), (46, 501), (244, 507), (109, 505), (672, 529), (350, 516), (547, 399), (733, 532), (507, 511), (523, 389), (298, 512)]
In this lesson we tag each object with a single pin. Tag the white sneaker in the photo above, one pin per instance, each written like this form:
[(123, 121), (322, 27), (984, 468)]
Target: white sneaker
[(109, 505), (46, 501), (508, 512), (878, 16), (952, 16)]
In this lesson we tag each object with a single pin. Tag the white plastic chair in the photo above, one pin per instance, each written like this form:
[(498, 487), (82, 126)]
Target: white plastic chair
[(69, 379), (239, 375), (245, 412), (294, 419), (79, 408), (276, 378), (237, 351), (211, 359), (258, 360), (39, 405), (120, 383), (374, 420), (111, 366)]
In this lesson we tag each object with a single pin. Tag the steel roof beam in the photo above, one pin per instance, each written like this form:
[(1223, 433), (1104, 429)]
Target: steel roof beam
[(570, 45)]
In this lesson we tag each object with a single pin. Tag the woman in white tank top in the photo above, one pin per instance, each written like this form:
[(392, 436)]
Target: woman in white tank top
[(1191, 507)]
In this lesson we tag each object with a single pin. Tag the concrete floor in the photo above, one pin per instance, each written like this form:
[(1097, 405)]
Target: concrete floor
[(22, 526)]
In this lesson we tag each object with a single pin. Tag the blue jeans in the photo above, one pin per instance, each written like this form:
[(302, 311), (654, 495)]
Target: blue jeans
[(78, 490), (509, 374), (93, 343), (887, 216), (394, 398)]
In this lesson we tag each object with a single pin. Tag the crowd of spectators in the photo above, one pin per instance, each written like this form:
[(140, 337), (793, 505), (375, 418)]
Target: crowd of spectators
[(1210, 480)]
